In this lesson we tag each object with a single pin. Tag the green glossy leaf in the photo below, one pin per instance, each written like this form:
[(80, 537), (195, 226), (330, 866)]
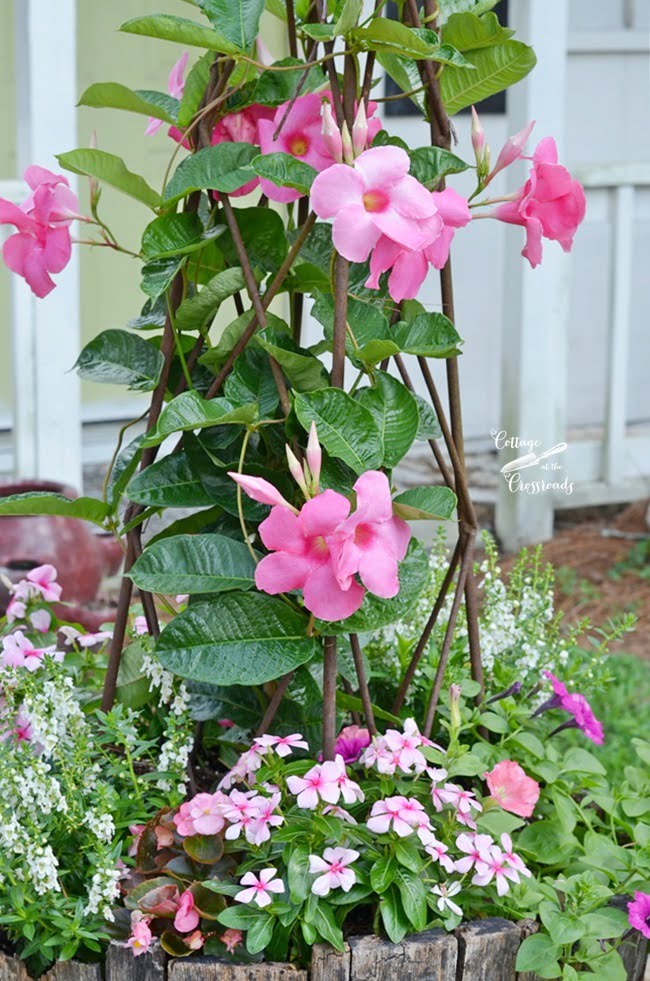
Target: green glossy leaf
[(425, 504), (224, 167), (259, 933), (413, 893), (169, 482), (467, 31), (116, 357), (547, 842), (190, 411), (180, 30), (405, 73), (382, 873), (196, 311), (123, 469), (273, 87), (132, 683), (346, 428), (408, 854), (158, 275), (262, 230), (375, 612), (110, 170), (396, 923), (251, 380), (236, 20), (172, 235), (429, 427), (390, 36), (537, 952), (429, 164), (396, 413), (194, 564), (324, 921), (204, 849), (285, 171), (236, 639), (114, 95), (495, 68), (298, 873), (348, 17), (305, 372), (195, 85), (430, 335), (87, 508)]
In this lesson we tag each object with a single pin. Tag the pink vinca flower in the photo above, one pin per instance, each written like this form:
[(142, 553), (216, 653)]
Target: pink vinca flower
[(265, 817), (18, 651), (375, 197), (409, 267), (175, 87), (284, 745), (240, 811), (437, 851), (43, 577), (372, 541), (141, 937), (444, 891), (400, 812), (351, 742), (335, 771), (333, 870), (259, 887), (317, 784), (301, 557), (493, 865), (405, 744), (512, 859), (639, 913), (551, 204), (42, 243), (41, 620), (187, 917), (512, 788), (475, 847)]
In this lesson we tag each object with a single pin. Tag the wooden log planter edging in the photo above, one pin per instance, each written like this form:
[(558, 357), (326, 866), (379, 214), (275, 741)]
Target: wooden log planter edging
[(485, 950)]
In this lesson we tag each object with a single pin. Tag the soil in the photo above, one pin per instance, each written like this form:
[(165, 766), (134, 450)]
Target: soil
[(596, 575)]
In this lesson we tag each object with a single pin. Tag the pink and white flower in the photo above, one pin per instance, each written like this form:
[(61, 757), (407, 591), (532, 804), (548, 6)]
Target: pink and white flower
[(475, 847), (241, 811), (405, 744), (283, 745), (334, 869), (265, 817), (444, 891), (43, 577), (260, 888), (402, 813), (494, 865), (231, 939), (204, 814), (335, 770), (19, 652), (141, 936), (438, 851), (513, 860), (319, 783), (175, 87)]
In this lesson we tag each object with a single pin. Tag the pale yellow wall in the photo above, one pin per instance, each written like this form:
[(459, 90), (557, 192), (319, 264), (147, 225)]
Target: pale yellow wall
[(110, 294)]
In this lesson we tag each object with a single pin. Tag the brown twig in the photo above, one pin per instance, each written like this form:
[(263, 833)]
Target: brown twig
[(274, 703), (329, 697), (364, 691)]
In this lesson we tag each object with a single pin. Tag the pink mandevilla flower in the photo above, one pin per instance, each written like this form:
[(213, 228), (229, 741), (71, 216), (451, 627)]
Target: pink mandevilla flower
[(187, 917), (639, 913), (175, 87), (334, 869), (372, 541), (512, 788), (42, 243), (511, 150), (301, 557), (375, 197), (551, 204), (259, 887), (409, 267)]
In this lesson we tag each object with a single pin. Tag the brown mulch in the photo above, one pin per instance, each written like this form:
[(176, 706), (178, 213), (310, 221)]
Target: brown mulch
[(583, 559)]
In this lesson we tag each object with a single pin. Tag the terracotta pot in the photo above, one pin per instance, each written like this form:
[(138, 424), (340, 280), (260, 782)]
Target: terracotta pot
[(81, 557)]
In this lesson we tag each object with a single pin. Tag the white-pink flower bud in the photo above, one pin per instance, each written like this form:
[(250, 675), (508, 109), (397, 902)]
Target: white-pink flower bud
[(511, 150), (314, 457), (348, 149), (478, 136), (296, 470), (331, 133), (360, 130)]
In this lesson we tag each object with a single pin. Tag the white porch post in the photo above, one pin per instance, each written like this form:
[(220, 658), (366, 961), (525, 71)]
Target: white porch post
[(45, 333), (536, 300)]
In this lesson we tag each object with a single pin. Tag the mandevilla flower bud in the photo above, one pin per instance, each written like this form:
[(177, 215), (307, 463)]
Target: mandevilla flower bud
[(348, 149), (360, 130), (297, 471), (331, 133), (314, 458), (93, 184), (454, 708)]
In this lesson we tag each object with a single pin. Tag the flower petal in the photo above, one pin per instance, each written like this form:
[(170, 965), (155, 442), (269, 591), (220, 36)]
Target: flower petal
[(354, 232), (324, 597), (281, 572), (336, 189), (382, 166), (323, 514)]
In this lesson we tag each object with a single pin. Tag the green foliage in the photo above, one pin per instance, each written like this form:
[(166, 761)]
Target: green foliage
[(111, 170), (116, 357)]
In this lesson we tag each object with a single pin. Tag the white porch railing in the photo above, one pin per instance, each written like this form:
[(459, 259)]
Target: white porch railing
[(616, 466)]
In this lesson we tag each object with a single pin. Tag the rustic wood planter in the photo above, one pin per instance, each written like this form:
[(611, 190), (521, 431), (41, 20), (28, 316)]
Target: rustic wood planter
[(482, 951)]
